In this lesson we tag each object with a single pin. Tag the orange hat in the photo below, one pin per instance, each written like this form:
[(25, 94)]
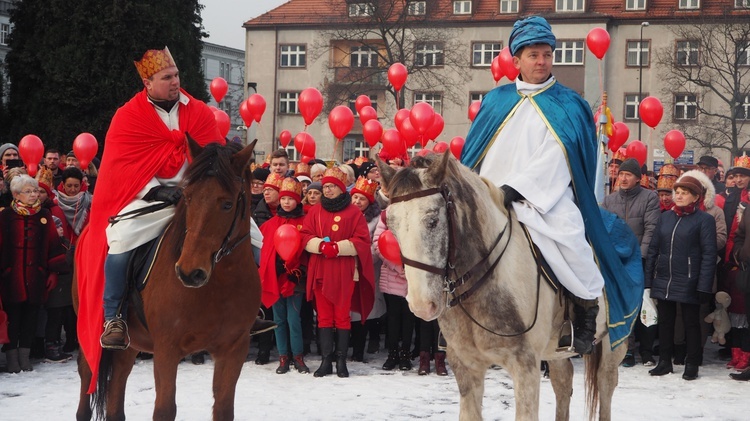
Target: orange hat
[(646, 182), (274, 181), (619, 156), (302, 169), (365, 187), (742, 164), (153, 62), (336, 176), (665, 183), (668, 170), (291, 188)]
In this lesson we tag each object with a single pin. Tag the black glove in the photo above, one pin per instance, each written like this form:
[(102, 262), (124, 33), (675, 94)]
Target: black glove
[(705, 297), (171, 195), (511, 195)]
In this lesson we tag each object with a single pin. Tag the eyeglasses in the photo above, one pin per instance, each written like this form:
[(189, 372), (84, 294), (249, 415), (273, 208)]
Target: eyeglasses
[(329, 186), (30, 192)]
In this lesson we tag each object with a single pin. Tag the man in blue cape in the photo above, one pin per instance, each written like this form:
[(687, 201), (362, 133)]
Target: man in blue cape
[(536, 140)]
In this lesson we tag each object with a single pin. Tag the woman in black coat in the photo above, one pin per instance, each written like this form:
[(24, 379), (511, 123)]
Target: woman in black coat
[(680, 268)]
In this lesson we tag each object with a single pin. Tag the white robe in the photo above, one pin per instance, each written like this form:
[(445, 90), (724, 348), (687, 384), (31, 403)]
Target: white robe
[(526, 156)]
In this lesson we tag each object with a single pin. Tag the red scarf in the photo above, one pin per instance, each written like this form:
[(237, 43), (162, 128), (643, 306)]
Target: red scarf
[(685, 210)]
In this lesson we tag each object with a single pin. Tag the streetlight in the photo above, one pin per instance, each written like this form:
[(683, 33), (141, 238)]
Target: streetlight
[(640, 77)]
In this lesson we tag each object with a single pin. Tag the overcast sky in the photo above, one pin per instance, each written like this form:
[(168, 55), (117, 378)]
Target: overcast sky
[(223, 19)]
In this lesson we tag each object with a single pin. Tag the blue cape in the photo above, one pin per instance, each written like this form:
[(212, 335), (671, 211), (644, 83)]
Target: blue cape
[(568, 117)]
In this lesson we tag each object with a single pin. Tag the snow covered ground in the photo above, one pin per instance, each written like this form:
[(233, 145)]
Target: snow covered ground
[(50, 392)]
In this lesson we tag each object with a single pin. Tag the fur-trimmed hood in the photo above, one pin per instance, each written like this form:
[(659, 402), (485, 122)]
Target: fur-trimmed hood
[(708, 200)]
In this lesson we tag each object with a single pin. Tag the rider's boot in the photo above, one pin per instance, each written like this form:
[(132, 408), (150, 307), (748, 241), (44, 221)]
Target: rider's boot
[(115, 334), (584, 328)]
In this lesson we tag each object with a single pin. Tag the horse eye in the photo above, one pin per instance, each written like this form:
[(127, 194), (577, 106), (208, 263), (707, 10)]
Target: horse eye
[(227, 206), (432, 223)]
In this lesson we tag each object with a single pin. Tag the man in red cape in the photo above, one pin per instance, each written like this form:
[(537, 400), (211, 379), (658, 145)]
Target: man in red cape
[(144, 157)]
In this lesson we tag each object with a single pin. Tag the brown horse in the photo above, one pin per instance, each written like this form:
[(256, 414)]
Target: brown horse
[(203, 292), (469, 265)]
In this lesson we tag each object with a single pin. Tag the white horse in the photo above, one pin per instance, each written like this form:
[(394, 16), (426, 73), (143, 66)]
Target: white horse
[(469, 264)]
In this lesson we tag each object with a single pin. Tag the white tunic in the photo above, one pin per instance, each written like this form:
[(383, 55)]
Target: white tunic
[(128, 234), (526, 156)]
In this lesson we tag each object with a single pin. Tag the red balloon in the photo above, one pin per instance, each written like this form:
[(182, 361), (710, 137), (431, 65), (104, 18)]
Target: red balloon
[(421, 116), (409, 134), (85, 148), (287, 240), (440, 147), (401, 115), (674, 143), (257, 106), (306, 159), (438, 124), (372, 131), (598, 42), (367, 113), (218, 88), (310, 104), (497, 71), (222, 122), (506, 64), (388, 247), (619, 137), (245, 113), (31, 150), (474, 109), (636, 149), (304, 144), (397, 75), (362, 101), (651, 111), (457, 145), (393, 143), (340, 120), (284, 138)]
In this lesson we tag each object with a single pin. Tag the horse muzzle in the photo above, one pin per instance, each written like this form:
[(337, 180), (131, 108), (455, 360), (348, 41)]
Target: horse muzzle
[(426, 310), (195, 279)]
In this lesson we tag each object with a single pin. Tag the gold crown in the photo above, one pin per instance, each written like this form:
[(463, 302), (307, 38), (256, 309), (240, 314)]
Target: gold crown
[(360, 160), (665, 183), (336, 173), (45, 176), (290, 185), (302, 169), (274, 180), (669, 170), (619, 155), (153, 62), (742, 161), (366, 187), (646, 182)]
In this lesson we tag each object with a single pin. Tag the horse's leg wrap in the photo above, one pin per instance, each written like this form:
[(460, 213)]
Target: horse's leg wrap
[(585, 324)]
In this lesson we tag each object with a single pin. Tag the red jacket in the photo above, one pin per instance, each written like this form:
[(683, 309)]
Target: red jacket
[(278, 285)]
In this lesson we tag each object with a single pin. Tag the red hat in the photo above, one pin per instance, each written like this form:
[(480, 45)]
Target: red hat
[(365, 187), (274, 181), (291, 188), (335, 176), (47, 189)]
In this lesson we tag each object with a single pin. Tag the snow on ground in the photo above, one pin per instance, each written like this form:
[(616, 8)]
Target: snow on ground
[(50, 392)]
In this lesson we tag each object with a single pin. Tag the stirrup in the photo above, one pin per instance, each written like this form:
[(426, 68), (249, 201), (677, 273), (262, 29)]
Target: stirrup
[(570, 347)]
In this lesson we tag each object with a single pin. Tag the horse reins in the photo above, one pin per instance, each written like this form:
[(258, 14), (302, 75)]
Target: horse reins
[(239, 210)]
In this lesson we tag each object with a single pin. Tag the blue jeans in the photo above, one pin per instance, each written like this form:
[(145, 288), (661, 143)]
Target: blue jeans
[(115, 283), (286, 315)]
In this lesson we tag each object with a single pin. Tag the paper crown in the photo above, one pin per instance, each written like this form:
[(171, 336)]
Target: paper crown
[(360, 160), (668, 170), (274, 181), (45, 176), (153, 62), (302, 169), (619, 156), (646, 182), (291, 188), (665, 183), (742, 161), (336, 176), (366, 187)]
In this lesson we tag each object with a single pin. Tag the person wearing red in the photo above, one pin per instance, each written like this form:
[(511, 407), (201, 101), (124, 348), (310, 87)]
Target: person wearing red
[(146, 140), (340, 274)]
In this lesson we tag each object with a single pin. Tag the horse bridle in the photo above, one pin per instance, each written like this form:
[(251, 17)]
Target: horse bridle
[(450, 286), (239, 213)]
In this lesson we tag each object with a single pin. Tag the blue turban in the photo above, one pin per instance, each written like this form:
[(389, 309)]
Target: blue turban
[(530, 31)]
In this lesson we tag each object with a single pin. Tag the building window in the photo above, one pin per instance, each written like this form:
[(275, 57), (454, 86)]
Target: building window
[(690, 4), (476, 96), (292, 152), (569, 52), (417, 8), (685, 107), (429, 54), (742, 4), (484, 52), (203, 66), (638, 54), (462, 7), (361, 9), (436, 100), (743, 53), (635, 5), (687, 53), (288, 102), (355, 147), (353, 105), (743, 111), (363, 57), (570, 5), (4, 32), (293, 56), (508, 6), (632, 102), (225, 71)]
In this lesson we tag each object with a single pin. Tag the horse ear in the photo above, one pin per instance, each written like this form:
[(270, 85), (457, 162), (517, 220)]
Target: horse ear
[(440, 168), (386, 172), (241, 159), (193, 146)]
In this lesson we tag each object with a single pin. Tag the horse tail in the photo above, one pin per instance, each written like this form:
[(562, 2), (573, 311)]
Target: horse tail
[(591, 381), (99, 398)]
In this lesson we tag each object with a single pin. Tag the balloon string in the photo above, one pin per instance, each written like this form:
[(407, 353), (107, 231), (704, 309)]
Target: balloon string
[(398, 102), (601, 79)]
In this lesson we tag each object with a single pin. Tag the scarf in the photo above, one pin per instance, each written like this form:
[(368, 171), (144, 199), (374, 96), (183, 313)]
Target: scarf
[(336, 204), (685, 210), (76, 208), (25, 210), (295, 213)]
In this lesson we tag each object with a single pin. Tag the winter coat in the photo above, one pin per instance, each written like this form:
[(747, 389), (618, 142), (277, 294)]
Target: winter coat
[(639, 208), (31, 249), (681, 258), (262, 213), (392, 278)]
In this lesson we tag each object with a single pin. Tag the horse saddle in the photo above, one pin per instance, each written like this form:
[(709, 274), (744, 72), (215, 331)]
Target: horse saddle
[(139, 268)]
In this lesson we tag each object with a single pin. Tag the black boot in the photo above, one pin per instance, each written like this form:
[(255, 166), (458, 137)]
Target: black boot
[(691, 371), (585, 325), (325, 336), (392, 360), (265, 343), (342, 347), (404, 360), (664, 367), (741, 376), (358, 339)]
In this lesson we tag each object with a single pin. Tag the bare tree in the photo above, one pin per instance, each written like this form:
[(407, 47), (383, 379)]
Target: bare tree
[(394, 31), (711, 60)]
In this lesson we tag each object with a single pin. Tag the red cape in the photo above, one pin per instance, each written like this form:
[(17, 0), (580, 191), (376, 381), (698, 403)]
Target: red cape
[(275, 286), (138, 147)]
